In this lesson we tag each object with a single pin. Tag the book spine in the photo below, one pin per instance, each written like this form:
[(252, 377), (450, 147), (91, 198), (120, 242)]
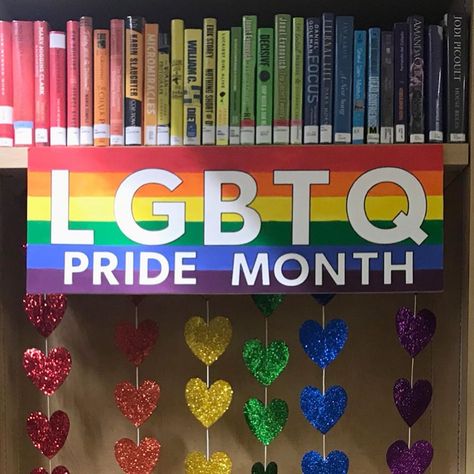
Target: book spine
[(235, 84), (282, 80), (386, 94), (343, 79), (134, 79), (327, 78), (264, 97), (249, 64), (163, 90), (192, 86), (151, 84), (117, 93), (177, 85), (73, 113), (42, 39), (311, 80), (416, 40), (101, 88), (6, 84), (223, 71), (297, 78), (373, 87), (87, 89), (359, 88), (435, 89), (400, 38), (23, 78), (209, 81), (58, 106), (457, 51)]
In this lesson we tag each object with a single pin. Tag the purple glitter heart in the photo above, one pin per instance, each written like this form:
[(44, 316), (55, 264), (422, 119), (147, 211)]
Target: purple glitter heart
[(415, 330), (402, 460), (412, 402)]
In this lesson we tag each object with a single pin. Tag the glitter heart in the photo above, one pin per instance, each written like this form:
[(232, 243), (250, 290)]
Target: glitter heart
[(259, 468), (136, 343), (402, 460), (323, 411), (49, 372), (335, 463), (56, 470), (323, 299), (140, 459), (208, 343), (196, 463), (412, 402), (415, 331), (265, 363), (137, 404), (45, 312), (208, 404), (267, 304), (48, 436), (266, 423), (322, 346)]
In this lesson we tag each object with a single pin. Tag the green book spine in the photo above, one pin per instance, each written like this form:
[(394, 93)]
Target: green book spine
[(223, 67), (281, 103), (235, 84), (249, 63), (264, 96), (297, 71)]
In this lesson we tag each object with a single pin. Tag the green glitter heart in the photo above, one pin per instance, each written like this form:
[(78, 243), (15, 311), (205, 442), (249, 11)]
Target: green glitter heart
[(265, 363), (267, 304), (266, 423), (258, 468)]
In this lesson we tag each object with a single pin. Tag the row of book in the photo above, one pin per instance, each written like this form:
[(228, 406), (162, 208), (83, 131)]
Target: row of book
[(314, 80)]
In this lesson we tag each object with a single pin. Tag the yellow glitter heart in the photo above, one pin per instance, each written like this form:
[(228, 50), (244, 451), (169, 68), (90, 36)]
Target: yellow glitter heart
[(196, 463), (208, 405), (208, 343)]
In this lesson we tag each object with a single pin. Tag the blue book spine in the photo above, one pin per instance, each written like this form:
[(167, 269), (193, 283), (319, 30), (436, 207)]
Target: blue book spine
[(360, 69), (386, 88), (343, 79), (400, 86), (416, 85), (311, 80), (373, 87), (435, 89), (327, 77)]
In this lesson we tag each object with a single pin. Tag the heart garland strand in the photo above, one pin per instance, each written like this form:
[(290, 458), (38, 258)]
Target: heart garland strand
[(208, 339), (47, 370), (415, 331), (137, 402), (323, 409), (266, 361)]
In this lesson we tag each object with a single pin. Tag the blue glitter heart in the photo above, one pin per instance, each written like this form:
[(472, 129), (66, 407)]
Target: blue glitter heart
[(324, 298), (323, 345), (323, 411), (336, 463)]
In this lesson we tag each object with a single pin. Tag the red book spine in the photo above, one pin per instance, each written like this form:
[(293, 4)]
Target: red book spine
[(87, 90), (41, 33), (117, 32), (73, 83), (24, 82), (57, 59), (6, 84)]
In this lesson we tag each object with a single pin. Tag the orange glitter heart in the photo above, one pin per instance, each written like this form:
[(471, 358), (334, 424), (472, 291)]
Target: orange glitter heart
[(140, 459)]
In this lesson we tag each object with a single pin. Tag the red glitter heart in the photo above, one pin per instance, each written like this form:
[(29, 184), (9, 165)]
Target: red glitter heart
[(45, 312), (48, 436), (56, 470), (49, 372), (140, 459), (136, 343), (137, 404)]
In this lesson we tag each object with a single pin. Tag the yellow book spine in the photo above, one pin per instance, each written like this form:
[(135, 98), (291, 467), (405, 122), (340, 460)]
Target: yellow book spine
[(101, 88), (151, 83), (209, 81), (163, 90), (177, 75), (223, 70), (192, 86)]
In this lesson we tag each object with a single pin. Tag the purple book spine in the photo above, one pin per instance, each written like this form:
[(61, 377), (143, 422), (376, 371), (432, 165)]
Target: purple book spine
[(434, 79), (400, 38)]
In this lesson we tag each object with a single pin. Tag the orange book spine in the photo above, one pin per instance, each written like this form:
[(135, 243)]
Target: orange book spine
[(6, 84), (57, 61), (117, 38), (41, 35), (86, 60), (73, 85), (101, 88), (151, 83)]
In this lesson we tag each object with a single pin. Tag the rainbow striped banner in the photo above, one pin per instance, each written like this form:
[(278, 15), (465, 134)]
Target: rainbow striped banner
[(210, 220)]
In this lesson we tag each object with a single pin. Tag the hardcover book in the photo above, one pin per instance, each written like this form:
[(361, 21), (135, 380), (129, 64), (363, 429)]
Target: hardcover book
[(264, 86), (373, 87), (101, 88), (359, 92), (235, 84), (400, 39), (416, 85), (297, 73), (223, 72), (327, 78), (386, 94), (57, 86), (73, 113), (434, 84), (151, 83), (209, 81), (177, 85), (86, 84), (6, 85), (163, 90), (117, 74), (41, 38)]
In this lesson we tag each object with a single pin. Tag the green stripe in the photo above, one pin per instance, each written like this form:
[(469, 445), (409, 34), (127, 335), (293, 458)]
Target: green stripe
[(272, 233)]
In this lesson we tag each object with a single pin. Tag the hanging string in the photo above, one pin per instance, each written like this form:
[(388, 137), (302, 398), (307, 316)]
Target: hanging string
[(265, 447), (323, 324), (48, 402), (137, 379), (208, 383), (412, 374)]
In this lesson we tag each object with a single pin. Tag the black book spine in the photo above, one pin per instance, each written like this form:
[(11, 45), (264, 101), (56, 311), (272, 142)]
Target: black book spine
[(434, 84), (400, 39), (386, 97)]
